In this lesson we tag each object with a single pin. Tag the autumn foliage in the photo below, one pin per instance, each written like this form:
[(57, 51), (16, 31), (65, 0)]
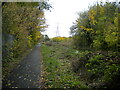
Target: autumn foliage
[(58, 39), (96, 35), (22, 24)]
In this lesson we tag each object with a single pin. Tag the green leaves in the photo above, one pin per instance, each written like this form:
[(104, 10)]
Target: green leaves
[(24, 22), (110, 72), (97, 27)]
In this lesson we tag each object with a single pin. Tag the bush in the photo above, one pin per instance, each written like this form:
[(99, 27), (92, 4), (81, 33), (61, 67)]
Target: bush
[(58, 39)]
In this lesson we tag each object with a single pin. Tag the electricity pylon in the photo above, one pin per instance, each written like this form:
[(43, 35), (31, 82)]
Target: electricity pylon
[(57, 30)]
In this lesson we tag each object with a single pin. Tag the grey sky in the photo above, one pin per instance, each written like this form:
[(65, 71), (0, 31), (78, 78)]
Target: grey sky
[(64, 13)]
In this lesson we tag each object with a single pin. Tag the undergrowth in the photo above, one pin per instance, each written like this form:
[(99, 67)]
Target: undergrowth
[(66, 67), (57, 68)]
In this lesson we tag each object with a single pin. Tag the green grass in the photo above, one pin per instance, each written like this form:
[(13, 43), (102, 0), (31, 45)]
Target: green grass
[(57, 68)]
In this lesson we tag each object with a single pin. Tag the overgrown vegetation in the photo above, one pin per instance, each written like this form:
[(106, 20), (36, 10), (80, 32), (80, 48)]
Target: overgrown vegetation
[(96, 35), (89, 59), (57, 67), (65, 67), (22, 23), (58, 39), (97, 28), (94, 55)]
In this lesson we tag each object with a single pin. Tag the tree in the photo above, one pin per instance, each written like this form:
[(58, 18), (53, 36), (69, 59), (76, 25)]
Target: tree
[(23, 22), (97, 27), (46, 38)]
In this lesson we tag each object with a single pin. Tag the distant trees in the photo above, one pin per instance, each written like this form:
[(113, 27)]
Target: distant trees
[(46, 38), (58, 39)]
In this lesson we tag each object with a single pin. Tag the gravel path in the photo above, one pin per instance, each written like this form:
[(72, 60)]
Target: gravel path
[(27, 73)]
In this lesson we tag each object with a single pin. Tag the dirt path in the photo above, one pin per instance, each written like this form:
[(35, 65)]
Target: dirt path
[(27, 73)]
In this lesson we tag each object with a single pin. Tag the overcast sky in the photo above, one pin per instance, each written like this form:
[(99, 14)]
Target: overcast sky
[(63, 14)]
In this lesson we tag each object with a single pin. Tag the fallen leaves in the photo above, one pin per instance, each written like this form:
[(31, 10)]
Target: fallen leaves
[(57, 69)]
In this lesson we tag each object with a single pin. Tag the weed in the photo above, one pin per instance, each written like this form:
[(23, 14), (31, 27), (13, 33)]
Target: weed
[(60, 74)]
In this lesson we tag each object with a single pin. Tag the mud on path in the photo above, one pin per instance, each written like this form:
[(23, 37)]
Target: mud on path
[(27, 73)]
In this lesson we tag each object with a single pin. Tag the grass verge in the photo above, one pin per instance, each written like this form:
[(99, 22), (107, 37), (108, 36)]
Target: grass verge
[(57, 68)]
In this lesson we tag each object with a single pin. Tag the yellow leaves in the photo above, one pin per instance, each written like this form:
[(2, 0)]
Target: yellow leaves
[(50, 86), (93, 12), (101, 10), (96, 43), (59, 38), (38, 27), (114, 33), (111, 38), (29, 37), (116, 21), (37, 35), (91, 15), (87, 29)]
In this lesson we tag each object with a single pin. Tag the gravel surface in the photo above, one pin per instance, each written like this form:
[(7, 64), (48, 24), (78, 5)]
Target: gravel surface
[(27, 73)]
